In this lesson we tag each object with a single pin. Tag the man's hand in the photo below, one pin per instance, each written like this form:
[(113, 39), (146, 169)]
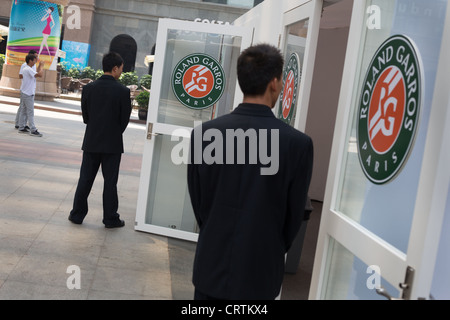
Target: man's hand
[(40, 69)]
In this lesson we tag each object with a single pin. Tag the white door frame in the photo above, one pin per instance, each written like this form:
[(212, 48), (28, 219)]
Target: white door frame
[(431, 194), (167, 129), (311, 10)]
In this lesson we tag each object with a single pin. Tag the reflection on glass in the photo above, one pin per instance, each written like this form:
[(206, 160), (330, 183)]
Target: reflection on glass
[(180, 44), (351, 279), (169, 204)]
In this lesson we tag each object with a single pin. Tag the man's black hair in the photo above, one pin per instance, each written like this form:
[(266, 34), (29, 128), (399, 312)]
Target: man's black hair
[(257, 66), (111, 60), (30, 57)]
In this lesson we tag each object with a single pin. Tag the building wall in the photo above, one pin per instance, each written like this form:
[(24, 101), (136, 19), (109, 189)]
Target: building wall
[(5, 8), (139, 19)]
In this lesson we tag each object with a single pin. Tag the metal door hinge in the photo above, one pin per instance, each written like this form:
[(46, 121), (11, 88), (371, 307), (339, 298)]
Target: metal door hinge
[(150, 133)]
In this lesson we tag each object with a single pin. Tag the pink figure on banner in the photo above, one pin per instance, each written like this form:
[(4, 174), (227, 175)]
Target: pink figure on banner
[(48, 29)]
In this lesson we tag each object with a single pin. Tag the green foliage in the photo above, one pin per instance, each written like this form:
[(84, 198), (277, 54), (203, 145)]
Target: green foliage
[(88, 72), (145, 81), (129, 78), (74, 72), (98, 74), (64, 68), (142, 99)]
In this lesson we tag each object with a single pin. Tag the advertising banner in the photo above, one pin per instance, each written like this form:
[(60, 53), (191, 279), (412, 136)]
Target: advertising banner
[(77, 54), (34, 25)]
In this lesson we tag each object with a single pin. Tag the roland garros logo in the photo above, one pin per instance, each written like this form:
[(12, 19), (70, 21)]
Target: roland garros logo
[(288, 99), (198, 81), (389, 109)]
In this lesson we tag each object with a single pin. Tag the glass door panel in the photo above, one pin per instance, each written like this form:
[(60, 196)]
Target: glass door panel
[(168, 204), (194, 81), (301, 30), (378, 150), (374, 204), (180, 44), (349, 278), (294, 54)]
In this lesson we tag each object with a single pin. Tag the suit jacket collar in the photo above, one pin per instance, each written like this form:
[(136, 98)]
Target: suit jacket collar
[(107, 77), (250, 109)]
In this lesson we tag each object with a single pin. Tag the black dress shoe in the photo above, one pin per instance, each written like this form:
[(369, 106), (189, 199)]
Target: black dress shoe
[(73, 220), (117, 224)]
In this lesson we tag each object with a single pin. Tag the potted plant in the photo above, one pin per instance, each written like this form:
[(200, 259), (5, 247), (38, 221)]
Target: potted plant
[(142, 101), (146, 82)]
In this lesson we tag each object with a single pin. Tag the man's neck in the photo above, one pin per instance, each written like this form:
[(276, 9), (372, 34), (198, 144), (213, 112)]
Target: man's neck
[(264, 100), (110, 74)]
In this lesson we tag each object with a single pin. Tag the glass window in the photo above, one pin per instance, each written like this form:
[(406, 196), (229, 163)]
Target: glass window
[(387, 209)]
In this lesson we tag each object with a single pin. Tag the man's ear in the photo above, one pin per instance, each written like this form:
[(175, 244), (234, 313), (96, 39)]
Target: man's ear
[(273, 84)]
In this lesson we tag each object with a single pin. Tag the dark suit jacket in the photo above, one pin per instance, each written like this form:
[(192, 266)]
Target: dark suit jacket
[(247, 221), (106, 109)]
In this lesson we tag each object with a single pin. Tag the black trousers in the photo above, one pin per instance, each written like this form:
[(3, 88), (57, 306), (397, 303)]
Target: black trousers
[(198, 295), (90, 165)]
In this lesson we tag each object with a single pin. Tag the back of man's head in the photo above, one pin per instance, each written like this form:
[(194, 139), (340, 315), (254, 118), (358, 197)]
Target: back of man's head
[(111, 60), (257, 66)]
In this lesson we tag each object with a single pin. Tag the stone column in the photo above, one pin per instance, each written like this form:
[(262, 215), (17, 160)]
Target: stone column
[(78, 18), (46, 87)]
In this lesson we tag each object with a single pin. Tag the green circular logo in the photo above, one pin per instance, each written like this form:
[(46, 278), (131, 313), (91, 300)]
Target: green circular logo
[(288, 98), (198, 81), (389, 109)]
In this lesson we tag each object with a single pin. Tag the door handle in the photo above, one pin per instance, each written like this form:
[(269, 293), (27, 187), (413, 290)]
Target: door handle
[(150, 133), (406, 286), (382, 292)]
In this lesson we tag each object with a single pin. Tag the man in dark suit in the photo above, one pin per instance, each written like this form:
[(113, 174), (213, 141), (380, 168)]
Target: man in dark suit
[(248, 209), (106, 109)]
